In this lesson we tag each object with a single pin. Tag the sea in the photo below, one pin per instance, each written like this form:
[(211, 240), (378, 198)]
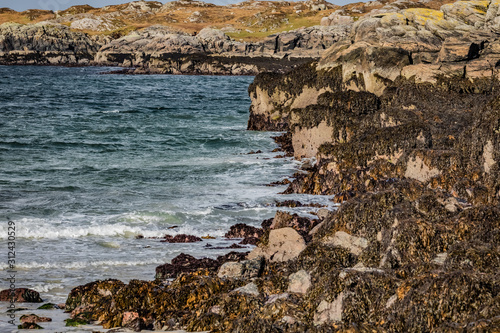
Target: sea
[(90, 162)]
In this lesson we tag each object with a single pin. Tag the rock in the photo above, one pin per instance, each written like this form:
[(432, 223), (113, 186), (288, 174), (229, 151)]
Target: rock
[(232, 246), (275, 297), (355, 244), (249, 241), (75, 322), (417, 169), (406, 107), (249, 289), (42, 44), (329, 312), (244, 269), (242, 230), (284, 244), (29, 326), (184, 263), (182, 238), (231, 270), (295, 203), (300, 282), (20, 295), (96, 24), (323, 213), (440, 258), (336, 19), (300, 224), (50, 306), (132, 321), (32, 318)]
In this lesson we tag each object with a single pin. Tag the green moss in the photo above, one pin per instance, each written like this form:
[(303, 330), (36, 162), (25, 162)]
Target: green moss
[(48, 306), (75, 322)]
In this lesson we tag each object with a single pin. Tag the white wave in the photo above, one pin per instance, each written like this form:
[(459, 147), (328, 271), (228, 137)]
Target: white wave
[(43, 229), (82, 264), (46, 287), (28, 228), (113, 245)]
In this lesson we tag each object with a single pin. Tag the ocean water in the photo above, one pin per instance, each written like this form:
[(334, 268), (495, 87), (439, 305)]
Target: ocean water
[(90, 161)]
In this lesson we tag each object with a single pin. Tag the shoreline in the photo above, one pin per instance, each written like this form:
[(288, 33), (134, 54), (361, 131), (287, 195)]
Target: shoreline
[(400, 123)]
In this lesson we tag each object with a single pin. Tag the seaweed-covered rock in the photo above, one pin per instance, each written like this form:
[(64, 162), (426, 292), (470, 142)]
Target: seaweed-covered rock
[(400, 124), (20, 295), (182, 238), (242, 230), (29, 326), (302, 225), (185, 263), (32, 318)]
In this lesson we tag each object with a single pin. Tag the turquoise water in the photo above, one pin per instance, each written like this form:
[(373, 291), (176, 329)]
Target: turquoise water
[(90, 161)]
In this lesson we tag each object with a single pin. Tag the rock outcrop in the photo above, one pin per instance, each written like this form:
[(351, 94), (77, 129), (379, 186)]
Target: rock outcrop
[(46, 44), (160, 49)]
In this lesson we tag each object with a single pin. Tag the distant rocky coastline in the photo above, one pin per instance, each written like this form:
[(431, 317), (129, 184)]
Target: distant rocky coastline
[(162, 50)]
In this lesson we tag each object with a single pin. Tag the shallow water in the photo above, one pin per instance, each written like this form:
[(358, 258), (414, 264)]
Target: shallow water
[(88, 162)]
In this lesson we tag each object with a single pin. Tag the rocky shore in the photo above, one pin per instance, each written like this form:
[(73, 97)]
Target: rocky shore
[(400, 121), (83, 35)]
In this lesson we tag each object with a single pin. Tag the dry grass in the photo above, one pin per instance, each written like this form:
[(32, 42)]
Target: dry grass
[(248, 21)]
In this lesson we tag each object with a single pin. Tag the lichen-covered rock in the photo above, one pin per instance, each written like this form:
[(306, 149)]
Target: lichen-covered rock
[(300, 282)]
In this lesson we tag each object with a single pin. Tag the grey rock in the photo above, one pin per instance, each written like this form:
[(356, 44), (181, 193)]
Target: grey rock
[(246, 269), (299, 282), (45, 43), (249, 289), (284, 244)]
